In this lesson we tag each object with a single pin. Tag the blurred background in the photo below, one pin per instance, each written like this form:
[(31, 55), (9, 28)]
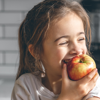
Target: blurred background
[(12, 12)]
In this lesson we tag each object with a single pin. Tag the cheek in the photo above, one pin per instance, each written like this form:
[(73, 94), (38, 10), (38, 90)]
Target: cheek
[(56, 55), (85, 49), (61, 53)]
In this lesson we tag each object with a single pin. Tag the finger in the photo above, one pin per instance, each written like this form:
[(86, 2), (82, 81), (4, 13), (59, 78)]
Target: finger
[(93, 81), (64, 74), (88, 77)]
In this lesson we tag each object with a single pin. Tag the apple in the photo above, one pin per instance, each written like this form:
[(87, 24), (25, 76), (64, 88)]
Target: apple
[(79, 66)]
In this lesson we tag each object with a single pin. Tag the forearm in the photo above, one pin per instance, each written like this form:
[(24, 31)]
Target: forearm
[(94, 98)]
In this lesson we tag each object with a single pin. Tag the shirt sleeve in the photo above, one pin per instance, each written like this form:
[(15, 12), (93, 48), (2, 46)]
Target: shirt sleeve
[(19, 93), (21, 90), (95, 91)]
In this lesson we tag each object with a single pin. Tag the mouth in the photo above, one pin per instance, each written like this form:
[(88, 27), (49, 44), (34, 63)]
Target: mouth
[(66, 61)]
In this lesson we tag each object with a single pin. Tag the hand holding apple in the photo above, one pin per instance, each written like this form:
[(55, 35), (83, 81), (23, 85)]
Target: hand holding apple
[(80, 66)]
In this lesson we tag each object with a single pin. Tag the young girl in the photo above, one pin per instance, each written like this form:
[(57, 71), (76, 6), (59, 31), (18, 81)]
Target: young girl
[(53, 32)]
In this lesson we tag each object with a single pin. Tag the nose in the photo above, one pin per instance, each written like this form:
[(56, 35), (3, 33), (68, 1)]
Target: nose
[(75, 49)]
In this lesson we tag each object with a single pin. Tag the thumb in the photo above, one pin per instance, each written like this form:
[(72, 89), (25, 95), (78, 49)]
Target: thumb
[(64, 74)]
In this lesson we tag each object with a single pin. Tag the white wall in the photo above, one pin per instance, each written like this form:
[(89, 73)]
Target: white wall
[(12, 12)]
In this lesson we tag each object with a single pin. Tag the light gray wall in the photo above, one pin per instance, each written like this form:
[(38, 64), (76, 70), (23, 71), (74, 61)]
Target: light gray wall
[(12, 12)]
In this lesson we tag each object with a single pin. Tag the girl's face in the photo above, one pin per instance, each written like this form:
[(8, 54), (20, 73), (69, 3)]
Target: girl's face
[(66, 39)]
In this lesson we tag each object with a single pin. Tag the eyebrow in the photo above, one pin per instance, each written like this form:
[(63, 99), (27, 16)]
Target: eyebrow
[(80, 33), (66, 36)]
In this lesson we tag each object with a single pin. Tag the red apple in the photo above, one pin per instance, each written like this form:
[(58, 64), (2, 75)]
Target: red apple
[(80, 66)]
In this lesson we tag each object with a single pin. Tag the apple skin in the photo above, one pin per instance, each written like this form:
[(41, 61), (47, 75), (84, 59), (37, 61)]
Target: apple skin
[(80, 66)]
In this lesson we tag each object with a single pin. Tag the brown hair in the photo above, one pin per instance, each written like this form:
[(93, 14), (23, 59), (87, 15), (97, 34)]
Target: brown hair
[(33, 30)]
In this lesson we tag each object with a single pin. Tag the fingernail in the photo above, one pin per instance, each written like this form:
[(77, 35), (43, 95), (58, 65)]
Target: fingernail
[(64, 66), (96, 70)]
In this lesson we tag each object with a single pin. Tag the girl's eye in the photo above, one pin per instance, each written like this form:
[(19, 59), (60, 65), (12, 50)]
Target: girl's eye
[(63, 43), (81, 39)]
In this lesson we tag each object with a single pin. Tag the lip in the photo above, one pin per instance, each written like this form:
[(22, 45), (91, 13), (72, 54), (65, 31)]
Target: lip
[(67, 60)]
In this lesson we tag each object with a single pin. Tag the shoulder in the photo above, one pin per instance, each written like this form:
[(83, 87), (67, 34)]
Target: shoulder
[(25, 85), (28, 78)]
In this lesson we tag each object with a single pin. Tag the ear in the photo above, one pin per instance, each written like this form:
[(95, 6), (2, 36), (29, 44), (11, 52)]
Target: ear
[(31, 50)]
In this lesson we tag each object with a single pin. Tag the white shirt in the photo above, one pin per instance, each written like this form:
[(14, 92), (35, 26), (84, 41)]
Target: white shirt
[(30, 87)]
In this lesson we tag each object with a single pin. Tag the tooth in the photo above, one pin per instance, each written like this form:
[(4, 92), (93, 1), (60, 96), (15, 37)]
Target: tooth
[(80, 54)]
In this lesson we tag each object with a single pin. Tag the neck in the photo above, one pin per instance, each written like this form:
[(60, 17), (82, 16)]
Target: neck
[(53, 84)]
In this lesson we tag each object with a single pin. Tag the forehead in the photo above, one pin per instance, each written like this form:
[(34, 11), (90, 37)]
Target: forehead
[(69, 23)]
